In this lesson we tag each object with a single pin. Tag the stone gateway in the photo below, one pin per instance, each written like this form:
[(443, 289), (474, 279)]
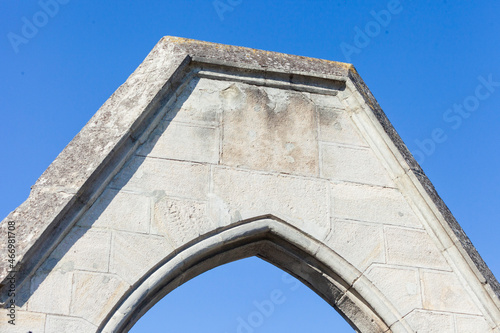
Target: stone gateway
[(211, 153)]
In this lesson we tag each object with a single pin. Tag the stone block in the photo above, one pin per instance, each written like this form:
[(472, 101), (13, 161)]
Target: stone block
[(359, 165), (362, 320), (56, 324), (183, 142), (198, 103), (25, 322), (413, 248), (233, 97), (372, 204), (401, 286), (174, 178), (274, 130), (81, 249), (360, 244), (336, 126), (133, 254), (181, 220), (95, 294), (430, 322), (300, 201), (51, 292), (472, 324), (444, 292), (118, 210)]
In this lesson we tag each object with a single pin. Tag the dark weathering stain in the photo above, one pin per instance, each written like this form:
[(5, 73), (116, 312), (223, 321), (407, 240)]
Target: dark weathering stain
[(327, 116)]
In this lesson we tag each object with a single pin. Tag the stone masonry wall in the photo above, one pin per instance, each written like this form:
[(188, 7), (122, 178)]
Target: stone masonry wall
[(225, 151)]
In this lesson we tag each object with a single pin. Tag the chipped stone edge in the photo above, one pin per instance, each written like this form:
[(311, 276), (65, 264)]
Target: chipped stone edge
[(55, 201)]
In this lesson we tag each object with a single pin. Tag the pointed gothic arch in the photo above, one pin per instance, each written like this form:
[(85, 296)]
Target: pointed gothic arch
[(328, 274), (210, 153)]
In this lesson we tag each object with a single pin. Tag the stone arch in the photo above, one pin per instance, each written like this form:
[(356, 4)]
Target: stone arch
[(218, 150), (328, 274)]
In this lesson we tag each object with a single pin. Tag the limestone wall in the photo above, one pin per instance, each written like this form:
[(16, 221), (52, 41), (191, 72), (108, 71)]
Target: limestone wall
[(221, 152)]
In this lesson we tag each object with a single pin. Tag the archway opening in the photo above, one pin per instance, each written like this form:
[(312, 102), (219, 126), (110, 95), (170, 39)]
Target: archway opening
[(272, 239), (245, 296)]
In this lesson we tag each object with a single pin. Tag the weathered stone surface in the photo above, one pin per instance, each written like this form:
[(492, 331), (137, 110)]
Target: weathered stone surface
[(81, 249), (372, 204), (345, 241), (326, 101), (198, 103), (51, 293), (181, 220), (119, 211), (23, 294), (56, 324), (300, 201), (401, 286), (233, 97), (413, 248), (472, 324), (183, 142), (444, 292), (30, 220), (91, 148), (147, 175), (265, 118), (431, 322), (365, 325), (25, 322), (336, 126), (133, 254), (94, 294), (273, 130), (352, 164)]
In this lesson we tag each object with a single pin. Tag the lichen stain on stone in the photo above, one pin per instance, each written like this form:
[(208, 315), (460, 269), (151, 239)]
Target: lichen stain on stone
[(329, 118), (255, 52), (272, 129)]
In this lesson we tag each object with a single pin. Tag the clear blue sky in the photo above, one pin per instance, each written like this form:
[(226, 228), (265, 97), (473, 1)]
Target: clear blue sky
[(429, 61)]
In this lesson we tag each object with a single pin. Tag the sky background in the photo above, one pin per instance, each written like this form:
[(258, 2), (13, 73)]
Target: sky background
[(431, 56)]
